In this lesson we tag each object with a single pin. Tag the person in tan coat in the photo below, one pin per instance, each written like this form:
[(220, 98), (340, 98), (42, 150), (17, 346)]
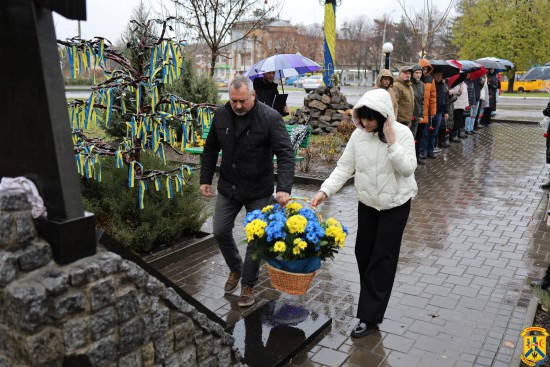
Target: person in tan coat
[(385, 80), (404, 96)]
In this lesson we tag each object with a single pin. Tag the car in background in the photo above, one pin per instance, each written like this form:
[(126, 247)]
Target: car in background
[(221, 83), (313, 82), (299, 83)]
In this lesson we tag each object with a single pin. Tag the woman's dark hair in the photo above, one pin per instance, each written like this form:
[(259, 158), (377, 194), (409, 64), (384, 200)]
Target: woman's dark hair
[(370, 114)]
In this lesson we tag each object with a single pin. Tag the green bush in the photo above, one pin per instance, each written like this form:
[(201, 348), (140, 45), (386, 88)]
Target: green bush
[(162, 221)]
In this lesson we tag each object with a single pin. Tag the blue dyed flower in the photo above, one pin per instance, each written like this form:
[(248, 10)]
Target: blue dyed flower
[(275, 230), (255, 214)]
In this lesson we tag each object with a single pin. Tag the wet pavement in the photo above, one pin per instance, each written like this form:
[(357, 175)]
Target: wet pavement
[(475, 238)]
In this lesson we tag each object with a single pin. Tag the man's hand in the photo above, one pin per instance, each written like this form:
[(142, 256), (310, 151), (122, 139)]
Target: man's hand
[(206, 190), (421, 120), (446, 116), (286, 109), (282, 197), (318, 199)]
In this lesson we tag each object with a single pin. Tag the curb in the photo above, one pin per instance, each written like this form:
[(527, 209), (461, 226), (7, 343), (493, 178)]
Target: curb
[(527, 322)]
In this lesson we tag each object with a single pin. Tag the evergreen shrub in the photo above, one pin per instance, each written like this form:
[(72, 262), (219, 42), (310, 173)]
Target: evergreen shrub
[(162, 221)]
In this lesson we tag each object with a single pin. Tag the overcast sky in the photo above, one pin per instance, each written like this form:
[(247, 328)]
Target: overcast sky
[(108, 18)]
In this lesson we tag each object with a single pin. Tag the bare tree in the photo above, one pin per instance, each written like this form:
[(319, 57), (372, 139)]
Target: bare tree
[(357, 30), (213, 20), (311, 41), (426, 24)]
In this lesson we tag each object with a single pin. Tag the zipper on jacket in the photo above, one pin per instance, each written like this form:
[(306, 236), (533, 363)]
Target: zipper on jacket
[(227, 131)]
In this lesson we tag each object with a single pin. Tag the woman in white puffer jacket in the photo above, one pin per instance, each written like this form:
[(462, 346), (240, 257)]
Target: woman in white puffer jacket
[(382, 156)]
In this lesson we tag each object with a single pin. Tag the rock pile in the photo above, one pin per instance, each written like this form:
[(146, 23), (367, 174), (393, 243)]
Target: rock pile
[(323, 109)]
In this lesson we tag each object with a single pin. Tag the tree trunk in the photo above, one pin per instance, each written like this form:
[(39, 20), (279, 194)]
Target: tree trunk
[(213, 62)]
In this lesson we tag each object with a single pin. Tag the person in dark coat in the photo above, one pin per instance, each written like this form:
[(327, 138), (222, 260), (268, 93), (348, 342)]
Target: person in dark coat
[(266, 90), (248, 133), (546, 112), (494, 85), (418, 125)]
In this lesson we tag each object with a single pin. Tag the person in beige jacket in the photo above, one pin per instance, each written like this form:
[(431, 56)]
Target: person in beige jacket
[(385, 80), (382, 156)]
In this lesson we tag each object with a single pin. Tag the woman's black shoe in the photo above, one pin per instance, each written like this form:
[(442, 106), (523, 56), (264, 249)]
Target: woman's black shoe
[(545, 186), (363, 328), (543, 283), (454, 140)]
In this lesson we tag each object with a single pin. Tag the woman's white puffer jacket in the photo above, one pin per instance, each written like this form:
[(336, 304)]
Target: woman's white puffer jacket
[(384, 175)]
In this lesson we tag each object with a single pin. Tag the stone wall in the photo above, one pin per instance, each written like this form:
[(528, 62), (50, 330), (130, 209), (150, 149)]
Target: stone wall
[(99, 311), (324, 109)]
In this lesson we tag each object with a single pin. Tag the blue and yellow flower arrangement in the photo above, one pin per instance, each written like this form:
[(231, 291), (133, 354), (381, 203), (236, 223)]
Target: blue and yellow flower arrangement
[(293, 238)]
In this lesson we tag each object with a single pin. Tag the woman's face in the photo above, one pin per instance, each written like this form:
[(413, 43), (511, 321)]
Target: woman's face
[(369, 125)]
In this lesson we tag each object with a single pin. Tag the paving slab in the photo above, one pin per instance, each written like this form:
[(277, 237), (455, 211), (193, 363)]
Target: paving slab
[(475, 238)]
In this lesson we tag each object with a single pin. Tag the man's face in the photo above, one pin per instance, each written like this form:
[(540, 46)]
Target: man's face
[(405, 75), (269, 76), (438, 76), (385, 82), (417, 74), (241, 101), (425, 70)]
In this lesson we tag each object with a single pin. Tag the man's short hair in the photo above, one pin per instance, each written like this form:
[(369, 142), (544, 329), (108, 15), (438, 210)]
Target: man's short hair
[(241, 80)]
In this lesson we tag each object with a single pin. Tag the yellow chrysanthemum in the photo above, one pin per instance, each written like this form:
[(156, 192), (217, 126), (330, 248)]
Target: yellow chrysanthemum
[(255, 228), (337, 233), (267, 208), (292, 207), (296, 250), (296, 224), (333, 222), (300, 243), (279, 246)]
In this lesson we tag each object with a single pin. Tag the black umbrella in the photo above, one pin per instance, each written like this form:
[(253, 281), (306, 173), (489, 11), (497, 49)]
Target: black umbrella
[(445, 67), (492, 64)]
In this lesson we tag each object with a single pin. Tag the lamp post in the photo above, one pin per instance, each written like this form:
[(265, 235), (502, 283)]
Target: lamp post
[(387, 48), (386, 17)]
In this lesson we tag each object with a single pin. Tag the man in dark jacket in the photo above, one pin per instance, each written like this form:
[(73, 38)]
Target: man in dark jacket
[(248, 133), (417, 125), (442, 114), (266, 90)]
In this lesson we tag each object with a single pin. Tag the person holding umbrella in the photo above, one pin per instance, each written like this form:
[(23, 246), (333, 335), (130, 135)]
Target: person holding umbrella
[(281, 65), (266, 90), (494, 85)]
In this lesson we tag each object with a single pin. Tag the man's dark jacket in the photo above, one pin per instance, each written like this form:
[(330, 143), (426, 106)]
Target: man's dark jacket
[(266, 92), (246, 170), (442, 97)]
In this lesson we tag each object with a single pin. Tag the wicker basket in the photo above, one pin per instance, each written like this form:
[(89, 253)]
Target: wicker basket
[(291, 283)]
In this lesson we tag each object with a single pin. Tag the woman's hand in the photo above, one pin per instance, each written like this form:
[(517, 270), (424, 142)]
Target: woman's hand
[(318, 199), (389, 132)]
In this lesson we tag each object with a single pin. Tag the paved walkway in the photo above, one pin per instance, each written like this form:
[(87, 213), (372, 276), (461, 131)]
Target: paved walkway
[(474, 239)]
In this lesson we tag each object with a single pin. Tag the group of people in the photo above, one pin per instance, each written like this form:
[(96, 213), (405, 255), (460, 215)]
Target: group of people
[(439, 114), (380, 153)]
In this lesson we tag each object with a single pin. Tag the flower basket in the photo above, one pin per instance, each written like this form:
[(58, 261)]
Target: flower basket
[(293, 241), (291, 283)]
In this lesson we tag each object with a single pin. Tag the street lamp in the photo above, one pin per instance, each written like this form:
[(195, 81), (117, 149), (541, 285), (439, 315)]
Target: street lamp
[(387, 48)]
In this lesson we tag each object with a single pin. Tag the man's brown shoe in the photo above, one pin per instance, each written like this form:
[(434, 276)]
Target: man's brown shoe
[(247, 296), (232, 282)]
